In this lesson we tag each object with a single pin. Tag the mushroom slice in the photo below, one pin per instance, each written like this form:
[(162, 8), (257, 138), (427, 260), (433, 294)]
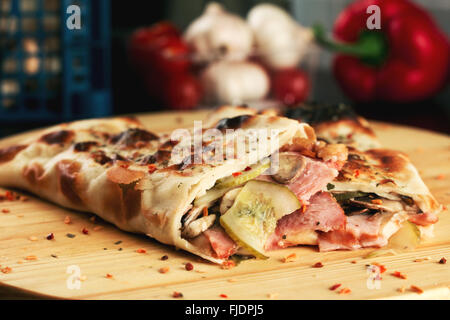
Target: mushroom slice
[(228, 199), (198, 226), (291, 165), (385, 205)]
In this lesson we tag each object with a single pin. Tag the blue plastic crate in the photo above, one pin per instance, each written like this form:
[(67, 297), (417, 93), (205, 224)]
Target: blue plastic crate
[(49, 72)]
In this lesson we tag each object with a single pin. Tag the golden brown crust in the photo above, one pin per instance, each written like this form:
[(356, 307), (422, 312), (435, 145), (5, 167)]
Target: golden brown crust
[(124, 175), (58, 137), (68, 177), (8, 153)]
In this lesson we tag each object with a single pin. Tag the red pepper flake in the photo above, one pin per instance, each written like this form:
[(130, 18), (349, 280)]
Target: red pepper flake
[(350, 135), (124, 165), (164, 257), (380, 266), (30, 258), (441, 177), (6, 270), (140, 250), (416, 289), (377, 201), (356, 173), (9, 195), (290, 258), (236, 174), (177, 294), (5, 210), (189, 266), (109, 276), (205, 211), (67, 220), (222, 295), (247, 169), (164, 270), (345, 291), (443, 260), (50, 236), (318, 265), (229, 264), (304, 207), (335, 286), (353, 261), (399, 275), (85, 230), (151, 168)]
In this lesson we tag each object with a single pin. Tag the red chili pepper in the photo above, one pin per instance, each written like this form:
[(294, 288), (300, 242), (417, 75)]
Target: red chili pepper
[(406, 60), (236, 174)]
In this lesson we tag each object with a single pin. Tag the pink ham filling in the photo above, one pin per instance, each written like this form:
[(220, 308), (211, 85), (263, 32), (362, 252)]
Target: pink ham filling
[(424, 219), (314, 178), (360, 231), (221, 243), (323, 214)]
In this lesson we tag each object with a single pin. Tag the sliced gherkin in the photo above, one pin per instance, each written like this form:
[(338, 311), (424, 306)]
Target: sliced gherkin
[(255, 212), (237, 180), (225, 184)]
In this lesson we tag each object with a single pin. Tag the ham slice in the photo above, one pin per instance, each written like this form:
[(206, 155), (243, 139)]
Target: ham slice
[(221, 243), (360, 231), (314, 178), (322, 214), (424, 219)]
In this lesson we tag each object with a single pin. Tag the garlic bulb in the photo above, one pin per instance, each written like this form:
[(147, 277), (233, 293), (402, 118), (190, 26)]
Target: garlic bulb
[(234, 82), (280, 40), (218, 34)]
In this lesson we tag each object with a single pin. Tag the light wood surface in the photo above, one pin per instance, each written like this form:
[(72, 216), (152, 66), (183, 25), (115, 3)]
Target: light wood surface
[(136, 275)]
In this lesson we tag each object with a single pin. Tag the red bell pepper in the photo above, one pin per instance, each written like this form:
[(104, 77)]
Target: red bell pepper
[(406, 60)]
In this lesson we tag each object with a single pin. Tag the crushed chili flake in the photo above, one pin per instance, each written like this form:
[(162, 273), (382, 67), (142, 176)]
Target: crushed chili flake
[(380, 266), (399, 275), (353, 261), (247, 169), (236, 174), (85, 230), (345, 291), (30, 258), (205, 211), (289, 258), (443, 261), (222, 295), (109, 276), (151, 168), (416, 289), (356, 173), (125, 165), (335, 286), (377, 201), (401, 289), (441, 177), (140, 250), (50, 236), (304, 207), (67, 220), (164, 270), (177, 294), (318, 265), (229, 264), (164, 257), (9, 195), (6, 210), (6, 270), (189, 266)]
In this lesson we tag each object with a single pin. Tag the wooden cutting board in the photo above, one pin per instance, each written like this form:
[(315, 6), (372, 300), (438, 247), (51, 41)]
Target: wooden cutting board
[(43, 268)]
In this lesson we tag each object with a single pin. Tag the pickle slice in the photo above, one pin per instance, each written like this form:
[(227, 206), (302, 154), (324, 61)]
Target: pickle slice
[(225, 184), (235, 181), (407, 238), (255, 212)]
